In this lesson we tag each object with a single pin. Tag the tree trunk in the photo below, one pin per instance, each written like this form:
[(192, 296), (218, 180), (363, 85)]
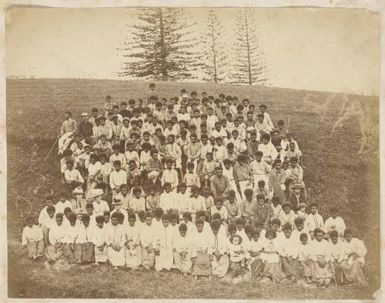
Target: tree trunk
[(248, 51), (214, 56), (162, 46)]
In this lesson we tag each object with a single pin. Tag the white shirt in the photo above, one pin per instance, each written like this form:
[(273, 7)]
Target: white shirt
[(100, 207), (118, 178), (337, 224), (314, 221), (60, 206), (94, 169), (33, 233), (268, 150), (57, 234), (73, 175), (168, 200), (99, 235)]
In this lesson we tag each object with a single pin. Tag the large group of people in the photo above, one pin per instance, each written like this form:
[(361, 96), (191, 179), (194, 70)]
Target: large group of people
[(204, 185)]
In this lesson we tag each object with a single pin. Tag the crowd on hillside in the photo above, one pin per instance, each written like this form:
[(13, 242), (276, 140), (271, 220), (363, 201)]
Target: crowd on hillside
[(203, 185)]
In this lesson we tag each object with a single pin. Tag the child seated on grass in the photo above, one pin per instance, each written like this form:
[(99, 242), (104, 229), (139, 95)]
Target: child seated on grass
[(32, 239)]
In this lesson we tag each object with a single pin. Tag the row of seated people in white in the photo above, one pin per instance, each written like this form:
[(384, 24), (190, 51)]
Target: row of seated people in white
[(162, 244)]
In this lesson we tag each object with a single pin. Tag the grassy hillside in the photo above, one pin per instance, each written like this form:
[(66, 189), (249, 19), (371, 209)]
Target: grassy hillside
[(334, 173)]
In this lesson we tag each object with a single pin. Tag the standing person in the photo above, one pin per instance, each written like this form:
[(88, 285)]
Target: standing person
[(268, 150), (248, 205), (118, 177), (263, 212), (68, 128), (266, 116), (259, 170), (108, 104), (85, 126), (277, 179), (242, 174), (219, 183), (32, 239)]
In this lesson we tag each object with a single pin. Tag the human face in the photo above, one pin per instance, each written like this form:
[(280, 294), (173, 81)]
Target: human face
[(200, 227), (313, 210), (261, 202), (165, 223), (182, 233), (319, 236), (348, 238), (275, 227), (300, 226), (334, 239), (236, 241), (148, 220), (114, 221), (59, 220), (287, 233), (286, 209)]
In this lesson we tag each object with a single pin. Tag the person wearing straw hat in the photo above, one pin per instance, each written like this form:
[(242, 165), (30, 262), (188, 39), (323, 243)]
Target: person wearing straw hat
[(100, 206), (297, 197), (78, 202)]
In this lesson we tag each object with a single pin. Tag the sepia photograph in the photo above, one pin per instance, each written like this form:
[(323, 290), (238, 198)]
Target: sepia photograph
[(193, 153)]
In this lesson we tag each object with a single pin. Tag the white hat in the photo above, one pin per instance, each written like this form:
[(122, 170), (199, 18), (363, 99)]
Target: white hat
[(78, 190), (84, 115), (97, 192), (117, 202), (152, 175)]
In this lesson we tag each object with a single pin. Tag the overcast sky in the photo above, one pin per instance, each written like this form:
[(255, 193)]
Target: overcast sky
[(315, 49)]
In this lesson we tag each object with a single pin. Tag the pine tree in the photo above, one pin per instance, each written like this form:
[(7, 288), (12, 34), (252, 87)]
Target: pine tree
[(249, 66), (160, 46), (215, 57)]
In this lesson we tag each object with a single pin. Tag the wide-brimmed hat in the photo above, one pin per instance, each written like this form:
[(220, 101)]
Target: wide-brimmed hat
[(96, 192), (78, 191), (117, 202), (84, 115), (298, 185)]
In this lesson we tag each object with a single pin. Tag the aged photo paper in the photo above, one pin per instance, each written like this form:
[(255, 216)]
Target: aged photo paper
[(175, 151)]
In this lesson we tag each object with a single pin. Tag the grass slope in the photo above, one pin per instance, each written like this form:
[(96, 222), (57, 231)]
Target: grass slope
[(335, 175)]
